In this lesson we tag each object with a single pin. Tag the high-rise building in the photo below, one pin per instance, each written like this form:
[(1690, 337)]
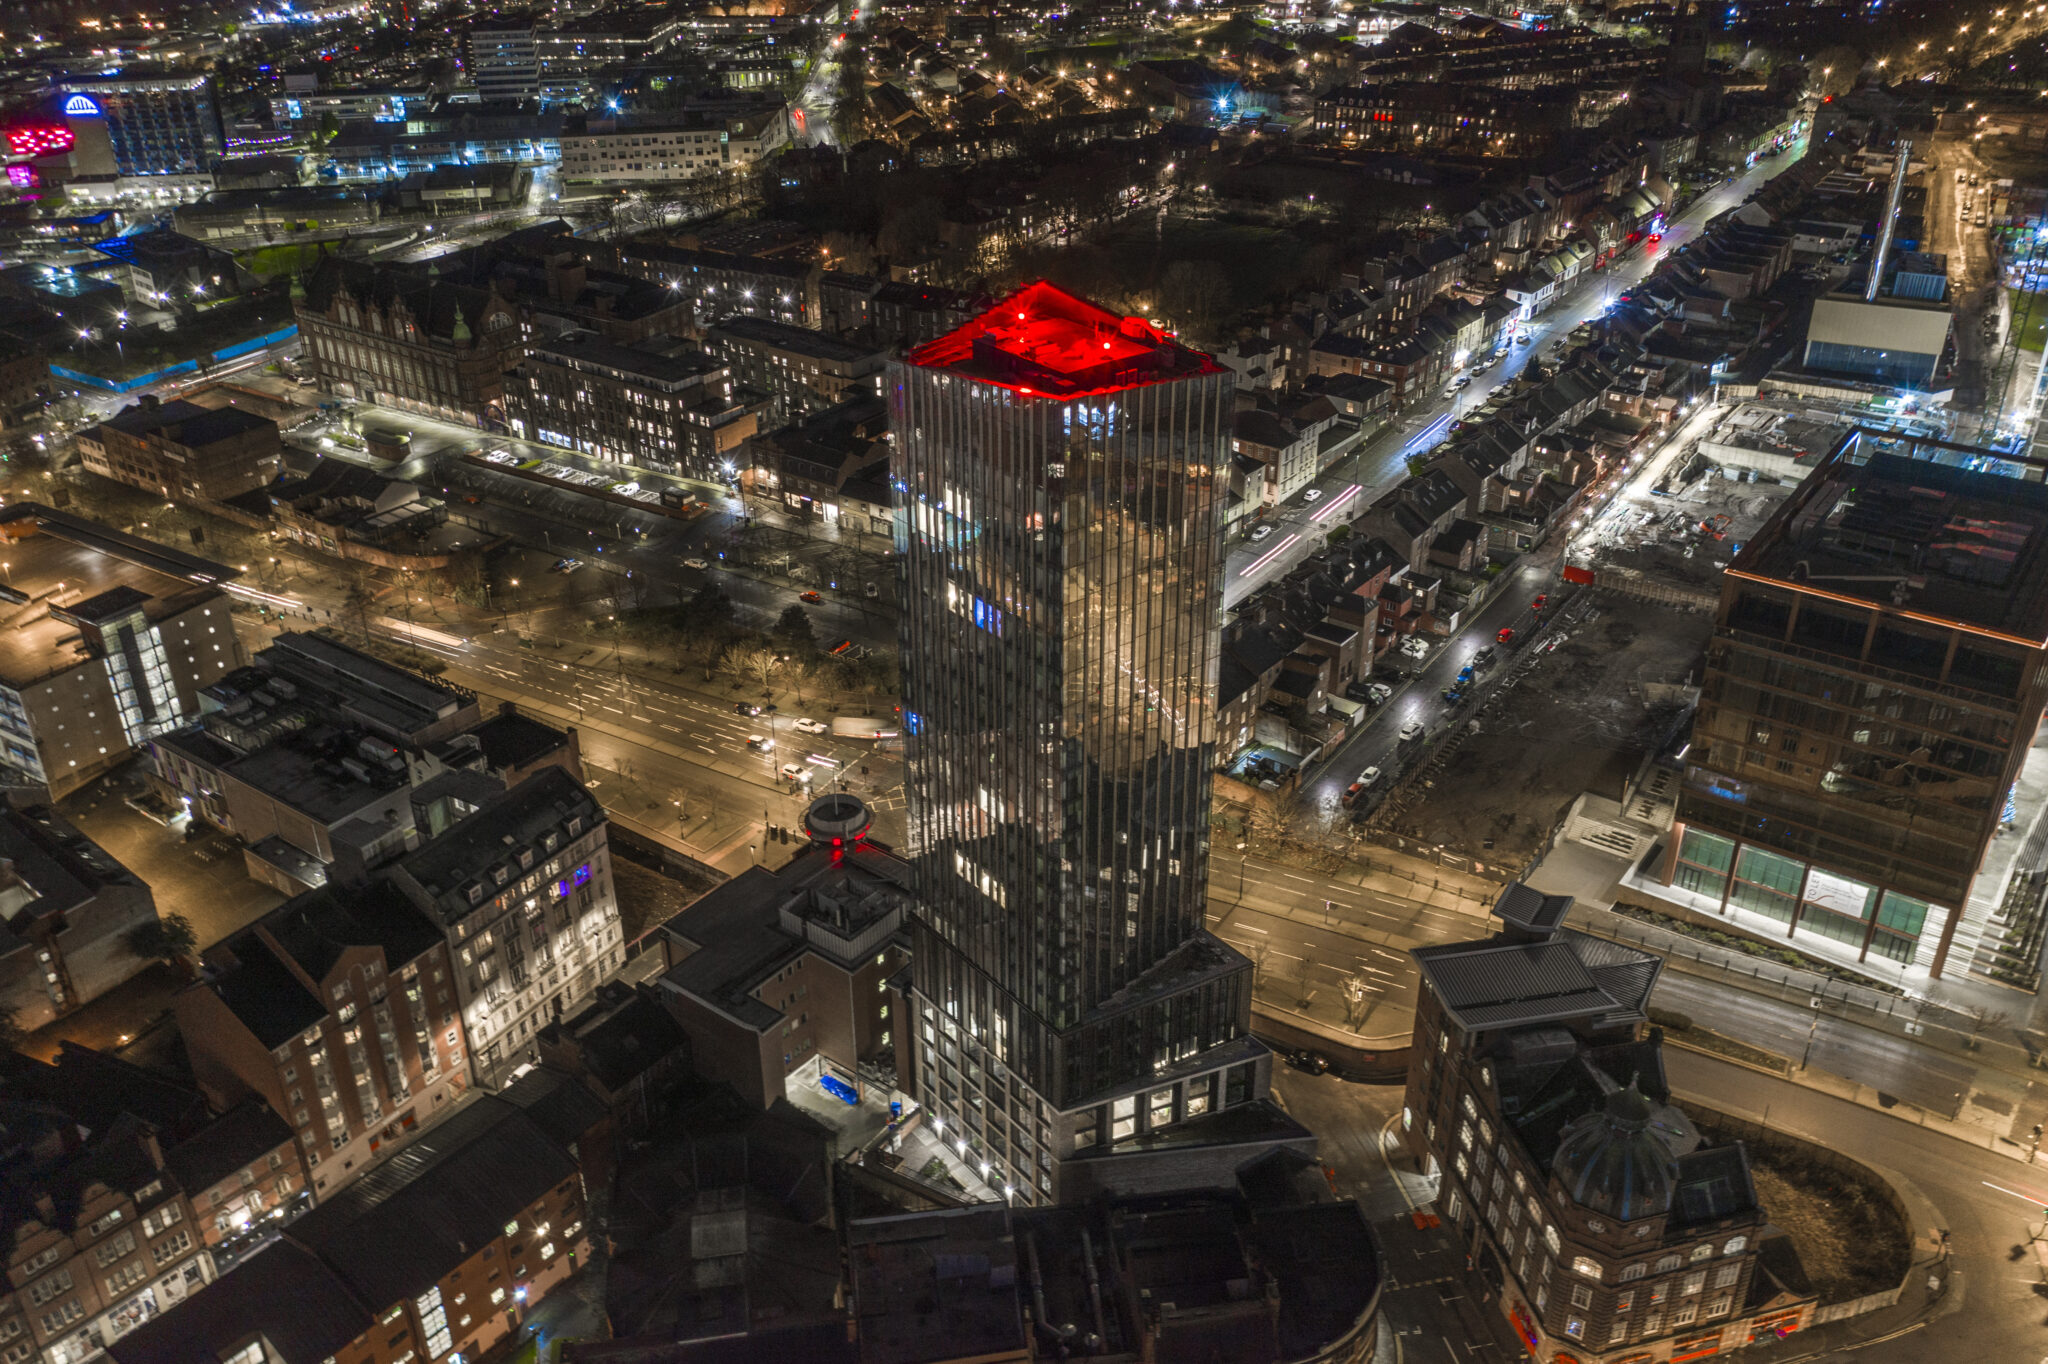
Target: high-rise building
[(502, 60), (1061, 476), (1874, 683), (167, 124)]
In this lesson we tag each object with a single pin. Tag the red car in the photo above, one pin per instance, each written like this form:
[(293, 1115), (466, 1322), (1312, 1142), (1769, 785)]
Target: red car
[(808, 596), (1542, 600), (1507, 632)]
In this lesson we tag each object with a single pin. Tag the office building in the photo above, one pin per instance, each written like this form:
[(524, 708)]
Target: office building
[(521, 890), (162, 125), (671, 408), (182, 452), (69, 908), (1609, 1229), (706, 143), (127, 634), (1874, 683), (337, 1010), (723, 284), (1900, 336), (802, 370), (1062, 472), (781, 975), (436, 1257), (501, 60), (376, 104)]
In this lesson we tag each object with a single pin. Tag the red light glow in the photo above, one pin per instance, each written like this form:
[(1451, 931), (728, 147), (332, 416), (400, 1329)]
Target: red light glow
[(1066, 347), (39, 139)]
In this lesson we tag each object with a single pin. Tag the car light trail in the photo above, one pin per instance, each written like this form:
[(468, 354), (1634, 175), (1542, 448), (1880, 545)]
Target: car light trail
[(1336, 503), (1268, 557)]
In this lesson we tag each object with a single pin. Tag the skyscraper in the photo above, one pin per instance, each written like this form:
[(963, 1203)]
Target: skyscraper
[(1061, 487)]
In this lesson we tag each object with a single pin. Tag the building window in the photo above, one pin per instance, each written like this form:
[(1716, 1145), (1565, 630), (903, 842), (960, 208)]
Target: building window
[(1575, 1327), (1586, 1265), (1736, 1245)]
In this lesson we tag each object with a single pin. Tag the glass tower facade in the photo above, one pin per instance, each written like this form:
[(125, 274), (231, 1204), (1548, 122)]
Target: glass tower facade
[(1874, 684), (156, 126), (1061, 483)]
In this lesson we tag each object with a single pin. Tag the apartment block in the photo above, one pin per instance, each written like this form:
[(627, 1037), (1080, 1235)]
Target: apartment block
[(338, 1010), (521, 891), (660, 406), (110, 641)]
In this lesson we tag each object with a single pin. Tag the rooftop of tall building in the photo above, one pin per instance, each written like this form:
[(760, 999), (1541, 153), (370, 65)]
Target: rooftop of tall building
[(1043, 341)]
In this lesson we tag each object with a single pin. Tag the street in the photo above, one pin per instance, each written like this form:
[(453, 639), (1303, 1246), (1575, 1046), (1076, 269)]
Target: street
[(1382, 462)]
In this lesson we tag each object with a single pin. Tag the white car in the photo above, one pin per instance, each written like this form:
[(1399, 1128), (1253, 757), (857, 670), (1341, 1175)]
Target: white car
[(1259, 533), (760, 743), (796, 773), (1312, 494), (1409, 732), (809, 726), (1380, 692), (1369, 778), (695, 563)]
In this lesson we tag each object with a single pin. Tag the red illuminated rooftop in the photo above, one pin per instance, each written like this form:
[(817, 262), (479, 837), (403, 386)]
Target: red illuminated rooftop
[(1042, 340)]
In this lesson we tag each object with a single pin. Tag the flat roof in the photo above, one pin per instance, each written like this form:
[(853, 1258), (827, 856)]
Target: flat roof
[(589, 351), (1888, 522), (55, 562), (1043, 341)]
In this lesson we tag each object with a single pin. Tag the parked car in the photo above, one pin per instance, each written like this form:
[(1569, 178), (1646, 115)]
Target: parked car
[(1482, 656), (566, 565), (1411, 731), (809, 597), (1507, 632), (1360, 692), (1366, 781), (1314, 1062), (1542, 600), (1453, 697), (1259, 533), (806, 725), (695, 563), (1380, 692), (1312, 495)]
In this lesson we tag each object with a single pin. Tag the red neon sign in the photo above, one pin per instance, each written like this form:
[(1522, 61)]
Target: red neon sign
[(39, 139)]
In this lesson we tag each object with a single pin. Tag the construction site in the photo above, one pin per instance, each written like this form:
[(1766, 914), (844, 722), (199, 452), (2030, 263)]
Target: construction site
[(1612, 680)]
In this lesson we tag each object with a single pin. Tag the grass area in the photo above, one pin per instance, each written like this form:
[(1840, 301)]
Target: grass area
[(1850, 1242), (267, 262), (2029, 329)]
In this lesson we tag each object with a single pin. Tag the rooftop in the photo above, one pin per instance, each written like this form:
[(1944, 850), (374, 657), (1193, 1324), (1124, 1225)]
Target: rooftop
[(55, 561), (745, 930), (497, 833), (592, 353), (1896, 523), (1043, 341)]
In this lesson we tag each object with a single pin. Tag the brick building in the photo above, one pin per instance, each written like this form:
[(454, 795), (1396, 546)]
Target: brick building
[(432, 1259), (672, 408), (409, 341), (1608, 1229), (337, 1010)]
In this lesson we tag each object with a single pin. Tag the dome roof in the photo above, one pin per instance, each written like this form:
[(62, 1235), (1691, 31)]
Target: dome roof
[(1619, 1160)]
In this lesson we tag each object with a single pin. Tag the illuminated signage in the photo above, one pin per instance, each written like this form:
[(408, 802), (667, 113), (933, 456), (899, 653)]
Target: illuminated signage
[(39, 139), (81, 106)]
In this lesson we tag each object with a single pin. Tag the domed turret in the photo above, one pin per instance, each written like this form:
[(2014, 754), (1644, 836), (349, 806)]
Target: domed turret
[(1615, 1161)]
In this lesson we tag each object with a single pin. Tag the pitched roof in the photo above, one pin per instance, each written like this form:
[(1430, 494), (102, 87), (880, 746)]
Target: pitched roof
[(250, 1301), (394, 1232)]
